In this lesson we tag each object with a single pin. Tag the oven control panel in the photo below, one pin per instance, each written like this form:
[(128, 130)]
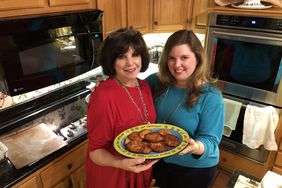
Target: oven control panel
[(267, 23), (74, 130)]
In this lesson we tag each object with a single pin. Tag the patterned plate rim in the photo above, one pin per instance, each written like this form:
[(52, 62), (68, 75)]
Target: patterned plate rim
[(121, 150)]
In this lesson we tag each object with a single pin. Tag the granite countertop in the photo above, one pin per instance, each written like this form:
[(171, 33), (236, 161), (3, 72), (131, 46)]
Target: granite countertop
[(9, 175)]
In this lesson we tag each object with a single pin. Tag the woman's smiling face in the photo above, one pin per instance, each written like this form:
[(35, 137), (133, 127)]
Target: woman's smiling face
[(181, 64), (128, 66)]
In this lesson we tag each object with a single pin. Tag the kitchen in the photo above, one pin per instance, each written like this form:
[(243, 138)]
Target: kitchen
[(151, 20)]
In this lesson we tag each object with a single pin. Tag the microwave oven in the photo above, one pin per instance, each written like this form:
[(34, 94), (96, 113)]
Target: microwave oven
[(39, 51)]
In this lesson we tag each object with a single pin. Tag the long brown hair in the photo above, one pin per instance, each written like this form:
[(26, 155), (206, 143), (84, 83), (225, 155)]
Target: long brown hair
[(201, 74)]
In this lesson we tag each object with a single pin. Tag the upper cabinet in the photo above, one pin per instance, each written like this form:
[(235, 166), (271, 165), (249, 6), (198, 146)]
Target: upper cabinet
[(11, 8), (125, 13), (22, 4), (146, 15), (200, 15), (138, 15), (114, 16), (171, 15)]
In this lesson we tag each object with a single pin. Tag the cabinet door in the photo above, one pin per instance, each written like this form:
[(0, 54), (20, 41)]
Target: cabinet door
[(170, 15), (200, 15), (67, 2), (21, 4), (30, 183), (63, 168), (66, 183), (138, 15), (78, 178), (114, 14)]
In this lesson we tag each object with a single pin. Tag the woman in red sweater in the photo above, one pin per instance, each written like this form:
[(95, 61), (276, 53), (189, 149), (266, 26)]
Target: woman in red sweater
[(119, 103)]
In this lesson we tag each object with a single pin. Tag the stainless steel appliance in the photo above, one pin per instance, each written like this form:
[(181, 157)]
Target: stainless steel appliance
[(42, 50), (74, 130), (245, 54)]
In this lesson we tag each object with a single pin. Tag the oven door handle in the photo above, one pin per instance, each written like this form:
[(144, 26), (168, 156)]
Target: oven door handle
[(217, 33)]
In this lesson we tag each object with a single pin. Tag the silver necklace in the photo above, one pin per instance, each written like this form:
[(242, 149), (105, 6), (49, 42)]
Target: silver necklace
[(145, 118), (170, 113)]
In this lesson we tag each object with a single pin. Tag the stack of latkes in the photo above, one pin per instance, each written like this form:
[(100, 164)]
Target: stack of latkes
[(146, 141)]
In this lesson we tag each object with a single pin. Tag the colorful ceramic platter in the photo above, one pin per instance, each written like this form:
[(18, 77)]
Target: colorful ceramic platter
[(180, 133)]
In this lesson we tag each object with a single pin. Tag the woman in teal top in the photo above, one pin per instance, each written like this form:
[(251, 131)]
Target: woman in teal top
[(186, 96)]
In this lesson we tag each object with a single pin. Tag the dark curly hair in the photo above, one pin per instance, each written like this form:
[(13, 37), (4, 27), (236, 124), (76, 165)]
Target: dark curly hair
[(117, 43)]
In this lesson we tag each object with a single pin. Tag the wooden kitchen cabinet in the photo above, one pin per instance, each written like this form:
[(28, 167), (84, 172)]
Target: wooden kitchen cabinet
[(138, 15), (230, 162), (171, 15), (277, 167), (125, 14), (146, 16), (22, 4), (200, 15), (11, 8), (63, 169), (78, 178), (32, 182), (66, 171), (114, 16)]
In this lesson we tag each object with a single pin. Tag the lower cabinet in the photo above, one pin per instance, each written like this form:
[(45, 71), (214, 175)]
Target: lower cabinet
[(66, 171), (277, 168), (32, 182), (231, 162)]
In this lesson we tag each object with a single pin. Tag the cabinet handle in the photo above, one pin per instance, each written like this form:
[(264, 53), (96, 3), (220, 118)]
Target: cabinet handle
[(131, 27), (156, 23), (69, 166)]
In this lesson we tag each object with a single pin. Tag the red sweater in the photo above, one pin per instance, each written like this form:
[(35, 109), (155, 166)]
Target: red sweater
[(110, 111)]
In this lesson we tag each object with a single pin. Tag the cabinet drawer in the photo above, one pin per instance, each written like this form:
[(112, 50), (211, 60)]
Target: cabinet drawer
[(230, 162), (278, 160), (64, 167)]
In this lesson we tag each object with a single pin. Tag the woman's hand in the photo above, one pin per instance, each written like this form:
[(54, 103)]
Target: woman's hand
[(194, 147), (136, 165)]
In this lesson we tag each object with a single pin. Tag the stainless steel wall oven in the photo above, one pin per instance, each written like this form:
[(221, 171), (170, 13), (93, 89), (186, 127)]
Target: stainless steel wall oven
[(245, 54)]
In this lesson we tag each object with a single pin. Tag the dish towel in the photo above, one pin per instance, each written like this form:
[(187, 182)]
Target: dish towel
[(259, 127), (232, 111)]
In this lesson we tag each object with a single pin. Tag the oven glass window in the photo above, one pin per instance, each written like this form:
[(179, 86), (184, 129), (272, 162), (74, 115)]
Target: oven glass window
[(247, 63)]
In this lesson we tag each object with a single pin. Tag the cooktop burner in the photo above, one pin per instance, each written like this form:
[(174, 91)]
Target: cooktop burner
[(74, 130)]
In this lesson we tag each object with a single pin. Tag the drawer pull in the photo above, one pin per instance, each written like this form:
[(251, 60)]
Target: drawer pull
[(69, 166)]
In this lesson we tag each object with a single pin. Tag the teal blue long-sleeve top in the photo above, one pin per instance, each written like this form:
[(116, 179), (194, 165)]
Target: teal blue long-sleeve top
[(204, 121)]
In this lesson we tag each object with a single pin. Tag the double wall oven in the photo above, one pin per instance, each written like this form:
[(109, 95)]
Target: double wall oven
[(244, 53)]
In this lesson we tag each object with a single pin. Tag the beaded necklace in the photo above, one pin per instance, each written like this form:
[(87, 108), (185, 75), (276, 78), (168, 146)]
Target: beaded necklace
[(145, 118)]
